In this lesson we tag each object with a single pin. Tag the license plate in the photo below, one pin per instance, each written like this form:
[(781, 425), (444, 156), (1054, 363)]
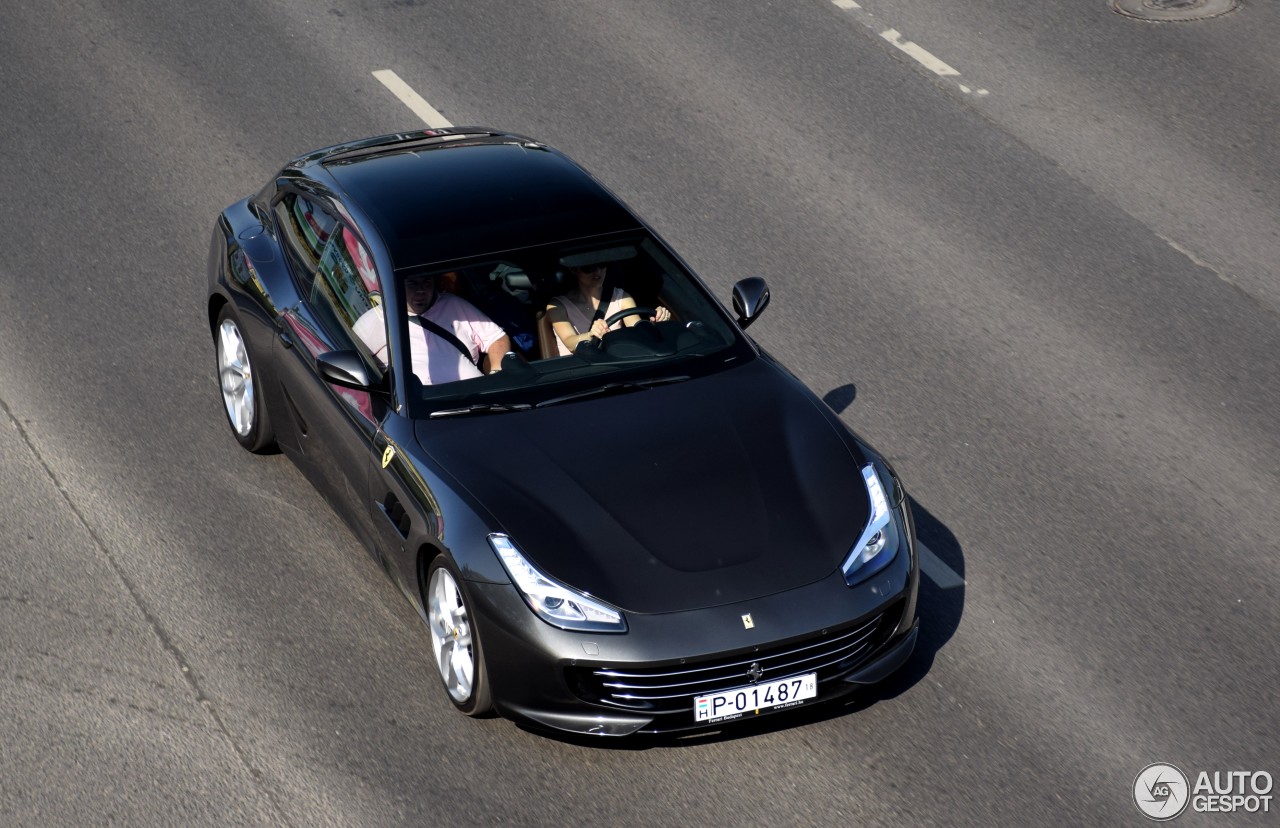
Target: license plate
[(731, 704)]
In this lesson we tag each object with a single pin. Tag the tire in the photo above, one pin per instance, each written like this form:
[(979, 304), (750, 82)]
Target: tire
[(241, 389), (455, 642)]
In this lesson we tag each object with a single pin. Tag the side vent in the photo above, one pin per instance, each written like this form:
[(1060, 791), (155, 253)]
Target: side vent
[(396, 513)]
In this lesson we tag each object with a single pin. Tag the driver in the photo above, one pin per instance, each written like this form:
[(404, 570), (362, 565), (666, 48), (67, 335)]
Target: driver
[(572, 313)]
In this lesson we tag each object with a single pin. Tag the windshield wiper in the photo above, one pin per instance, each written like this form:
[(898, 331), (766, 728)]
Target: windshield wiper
[(480, 408), (611, 388)]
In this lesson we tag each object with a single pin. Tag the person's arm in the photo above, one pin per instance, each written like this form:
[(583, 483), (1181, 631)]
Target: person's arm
[(624, 303), (372, 330), (564, 328), (496, 351), (660, 314), (489, 340)]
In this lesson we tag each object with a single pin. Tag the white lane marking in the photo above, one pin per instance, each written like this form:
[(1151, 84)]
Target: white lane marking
[(941, 574), (411, 99), (922, 57), (918, 54)]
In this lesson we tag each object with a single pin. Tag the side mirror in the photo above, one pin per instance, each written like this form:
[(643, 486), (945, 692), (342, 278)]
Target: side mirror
[(750, 298), (345, 368)]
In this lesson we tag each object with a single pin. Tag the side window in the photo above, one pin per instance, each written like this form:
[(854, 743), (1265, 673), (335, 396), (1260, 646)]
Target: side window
[(307, 229), (336, 275), (345, 277), (344, 294)]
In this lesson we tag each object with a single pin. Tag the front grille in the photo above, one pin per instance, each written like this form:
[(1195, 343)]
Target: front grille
[(671, 688)]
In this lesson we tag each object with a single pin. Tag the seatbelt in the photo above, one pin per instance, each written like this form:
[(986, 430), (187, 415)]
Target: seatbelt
[(447, 336), (606, 299)]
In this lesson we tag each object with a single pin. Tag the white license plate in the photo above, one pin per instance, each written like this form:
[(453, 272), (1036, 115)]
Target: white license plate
[(771, 694)]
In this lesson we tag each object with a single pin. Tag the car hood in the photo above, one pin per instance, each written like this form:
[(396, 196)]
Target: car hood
[(700, 493)]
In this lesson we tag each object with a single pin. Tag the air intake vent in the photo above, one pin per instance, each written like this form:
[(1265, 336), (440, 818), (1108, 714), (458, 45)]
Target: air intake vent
[(672, 688)]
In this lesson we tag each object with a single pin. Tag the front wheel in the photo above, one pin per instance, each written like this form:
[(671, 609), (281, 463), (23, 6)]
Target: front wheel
[(241, 392), (455, 643)]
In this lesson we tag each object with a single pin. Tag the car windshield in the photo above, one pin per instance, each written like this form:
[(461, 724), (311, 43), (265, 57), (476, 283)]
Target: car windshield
[(545, 307)]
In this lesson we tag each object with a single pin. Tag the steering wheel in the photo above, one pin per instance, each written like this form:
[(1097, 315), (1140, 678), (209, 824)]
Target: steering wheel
[(625, 312)]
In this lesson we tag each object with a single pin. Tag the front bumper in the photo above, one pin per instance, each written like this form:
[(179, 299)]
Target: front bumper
[(849, 636)]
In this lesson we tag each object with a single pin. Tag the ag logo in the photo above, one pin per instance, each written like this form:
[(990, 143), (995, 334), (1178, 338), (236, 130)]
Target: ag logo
[(1161, 791)]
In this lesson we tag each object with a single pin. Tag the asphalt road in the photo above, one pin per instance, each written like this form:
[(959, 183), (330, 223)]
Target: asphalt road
[(1046, 283)]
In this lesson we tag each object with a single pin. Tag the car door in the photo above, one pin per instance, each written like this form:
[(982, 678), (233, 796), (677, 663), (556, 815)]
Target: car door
[(403, 503), (331, 427)]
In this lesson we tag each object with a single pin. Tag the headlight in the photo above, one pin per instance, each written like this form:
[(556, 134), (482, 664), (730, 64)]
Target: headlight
[(880, 540), (558, 605)]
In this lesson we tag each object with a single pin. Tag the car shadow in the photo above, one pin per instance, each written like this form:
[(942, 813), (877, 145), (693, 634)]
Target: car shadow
[(940, 606), (942, 587), (841, 398)]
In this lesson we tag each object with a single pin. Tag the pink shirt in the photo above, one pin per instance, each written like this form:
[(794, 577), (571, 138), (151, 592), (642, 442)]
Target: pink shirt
[(436, 360)]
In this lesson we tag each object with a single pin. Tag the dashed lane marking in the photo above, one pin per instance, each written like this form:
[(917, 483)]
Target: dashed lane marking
[(917, 53), (920, 56), (941, 574), (411, 99)]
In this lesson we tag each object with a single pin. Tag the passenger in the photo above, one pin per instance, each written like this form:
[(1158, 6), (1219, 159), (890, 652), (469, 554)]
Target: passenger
[(437, 356), (571, 313)]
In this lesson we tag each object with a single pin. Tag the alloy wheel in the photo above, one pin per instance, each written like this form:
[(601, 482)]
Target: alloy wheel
[(236, 376), (451, 638)]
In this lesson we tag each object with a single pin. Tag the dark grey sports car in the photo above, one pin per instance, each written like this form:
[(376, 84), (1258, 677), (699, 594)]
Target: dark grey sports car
[(614, 510)]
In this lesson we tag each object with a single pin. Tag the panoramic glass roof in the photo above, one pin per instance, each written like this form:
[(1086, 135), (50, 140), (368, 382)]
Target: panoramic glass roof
[(467, 198)]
